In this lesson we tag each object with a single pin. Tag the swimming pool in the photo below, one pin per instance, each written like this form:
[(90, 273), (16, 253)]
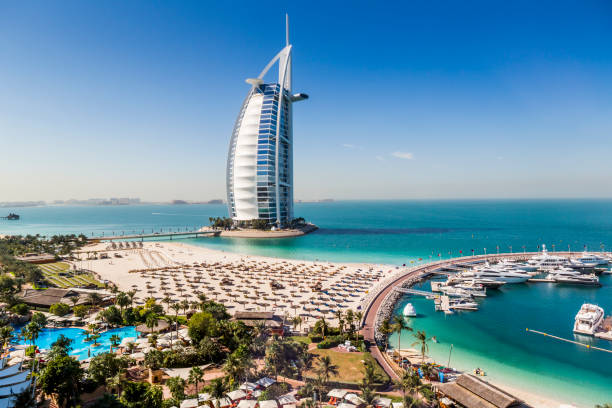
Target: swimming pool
[(82, 349)]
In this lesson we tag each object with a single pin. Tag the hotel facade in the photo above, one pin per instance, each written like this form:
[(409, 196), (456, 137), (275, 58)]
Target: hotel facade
[(260, 159)]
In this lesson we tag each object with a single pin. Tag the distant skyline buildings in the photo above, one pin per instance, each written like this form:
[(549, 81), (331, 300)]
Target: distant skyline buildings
[(413, 100)]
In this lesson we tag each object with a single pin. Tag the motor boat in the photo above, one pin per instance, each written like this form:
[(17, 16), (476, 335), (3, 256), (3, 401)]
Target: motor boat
[(463, 304), (514, 265), (452, 291), (588, 319), (544, 261), (579, 265), (485, 282), (475, 289), (562, 272), (496, 274), (585, 280), (409, 310), (595, 259)]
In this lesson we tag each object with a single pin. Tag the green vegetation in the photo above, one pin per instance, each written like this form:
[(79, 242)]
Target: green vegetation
[(59, 274), (350, 366), (59, 309), (221, 222)]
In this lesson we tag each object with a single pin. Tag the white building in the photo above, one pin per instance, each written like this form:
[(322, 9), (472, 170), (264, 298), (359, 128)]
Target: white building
[(260, 159)]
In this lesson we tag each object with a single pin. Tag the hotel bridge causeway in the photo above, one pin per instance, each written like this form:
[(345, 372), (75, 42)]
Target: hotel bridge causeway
[(165, 235)]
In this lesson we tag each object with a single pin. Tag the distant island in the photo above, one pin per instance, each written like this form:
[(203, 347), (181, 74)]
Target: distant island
[(102, 202), (324, 200), (184, 202)]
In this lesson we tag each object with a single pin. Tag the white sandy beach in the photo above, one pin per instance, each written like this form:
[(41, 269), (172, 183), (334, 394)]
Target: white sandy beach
[(244, 282), (241, 282)]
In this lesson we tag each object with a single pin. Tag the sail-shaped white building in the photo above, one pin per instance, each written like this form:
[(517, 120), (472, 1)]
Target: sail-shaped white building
[(260, 158)]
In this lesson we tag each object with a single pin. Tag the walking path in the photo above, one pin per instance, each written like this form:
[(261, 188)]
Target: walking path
[(371, 310)]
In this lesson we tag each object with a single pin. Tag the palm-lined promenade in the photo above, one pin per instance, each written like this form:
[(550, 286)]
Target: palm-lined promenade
[(378, 322)]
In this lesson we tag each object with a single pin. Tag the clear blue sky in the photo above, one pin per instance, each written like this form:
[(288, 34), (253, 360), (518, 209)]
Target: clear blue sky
[(408, 100)]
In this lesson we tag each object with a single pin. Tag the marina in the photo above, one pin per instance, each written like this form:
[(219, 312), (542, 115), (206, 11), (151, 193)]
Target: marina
[(509, 358)]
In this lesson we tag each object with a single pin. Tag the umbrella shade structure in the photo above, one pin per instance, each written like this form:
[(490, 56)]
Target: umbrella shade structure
[(247, 404), (248, 386), (160, 326), (236, 395), (337, 393), (268, 404), (265, 382)]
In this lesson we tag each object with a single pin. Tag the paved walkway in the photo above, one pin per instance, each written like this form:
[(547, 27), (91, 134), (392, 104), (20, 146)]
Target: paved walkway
[(371, 311)]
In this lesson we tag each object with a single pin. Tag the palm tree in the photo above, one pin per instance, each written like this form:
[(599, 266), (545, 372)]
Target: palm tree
[(185, 306), (6, 332), (176, 307), (196, 375), (122, 300), (421, 337), (93, 298), (369, 375), (153, 340), (151, 321), (297, 320), (218, 387), (115, 340), (350, 318), (399, 324), (385, 330), (167, 301), (338, 314), (326, 368), (358, 317), (404, 382), (117, 381), (131, 294), (323, 326), (232, 368), (202, 301)]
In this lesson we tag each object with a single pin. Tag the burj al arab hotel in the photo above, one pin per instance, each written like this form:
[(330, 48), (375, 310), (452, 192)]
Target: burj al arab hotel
[(260, 158)]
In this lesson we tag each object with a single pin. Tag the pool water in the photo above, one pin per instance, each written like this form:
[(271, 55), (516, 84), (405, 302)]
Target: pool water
[(82, 349)]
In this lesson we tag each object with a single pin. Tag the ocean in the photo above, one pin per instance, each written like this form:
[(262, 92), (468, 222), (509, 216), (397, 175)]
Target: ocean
[(400, 232)]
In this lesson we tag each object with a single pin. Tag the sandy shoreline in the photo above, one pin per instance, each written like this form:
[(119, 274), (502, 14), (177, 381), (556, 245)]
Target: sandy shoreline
[(241, 282), (245, 282)]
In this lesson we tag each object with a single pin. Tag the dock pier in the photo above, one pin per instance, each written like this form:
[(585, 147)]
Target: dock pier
[(141, 237)]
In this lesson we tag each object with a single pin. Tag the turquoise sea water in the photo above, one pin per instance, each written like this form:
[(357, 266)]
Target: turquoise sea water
[(80, 348), (397, 232)]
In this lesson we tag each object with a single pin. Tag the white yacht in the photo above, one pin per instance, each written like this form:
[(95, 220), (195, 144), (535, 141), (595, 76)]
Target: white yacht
[(588, 319), (593, 259), (514, 265), (545, 261), (453, 291), (496, 274), (475, 289), (579, 265), (485, 282), (584, 280), (562, 272), (463, 304), (409, 310)]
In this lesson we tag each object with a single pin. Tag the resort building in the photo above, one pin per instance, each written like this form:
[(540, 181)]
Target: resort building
[(260, 158)]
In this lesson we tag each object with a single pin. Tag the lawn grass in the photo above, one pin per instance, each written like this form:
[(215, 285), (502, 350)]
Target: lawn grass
[(301, 339), (51, 272), (350, 366)]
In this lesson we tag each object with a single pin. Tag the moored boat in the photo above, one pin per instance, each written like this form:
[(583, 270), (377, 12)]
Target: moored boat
[(588, 319), (409, 310)]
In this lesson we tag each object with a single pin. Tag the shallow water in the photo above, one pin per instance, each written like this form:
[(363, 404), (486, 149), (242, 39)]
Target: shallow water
[(82, 349), (397, 232)]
